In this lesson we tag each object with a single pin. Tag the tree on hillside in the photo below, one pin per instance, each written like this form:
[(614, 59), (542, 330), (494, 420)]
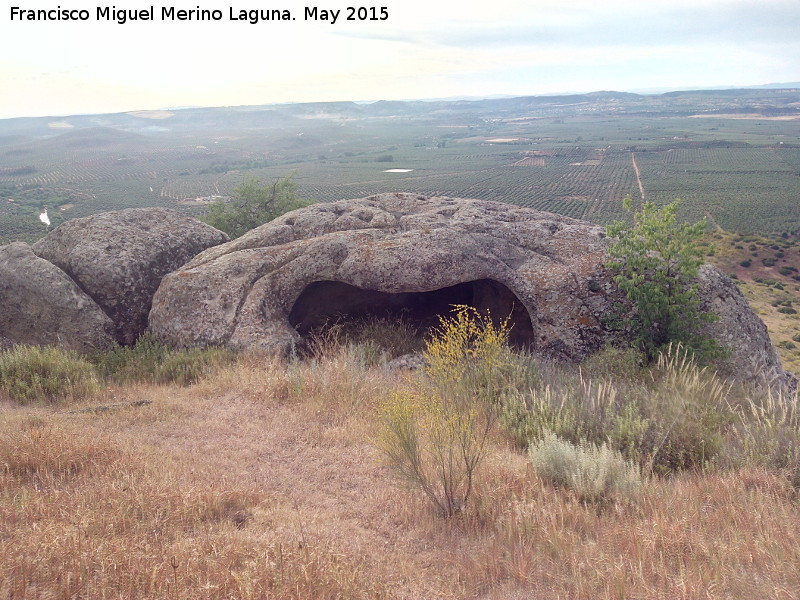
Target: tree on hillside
[(254, 203), (656, 261)]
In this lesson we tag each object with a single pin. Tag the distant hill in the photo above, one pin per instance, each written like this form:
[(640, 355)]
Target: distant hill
[(768, 99)]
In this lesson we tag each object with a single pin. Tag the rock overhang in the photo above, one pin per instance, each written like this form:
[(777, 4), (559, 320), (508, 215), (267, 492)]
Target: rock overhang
[(241, 293)]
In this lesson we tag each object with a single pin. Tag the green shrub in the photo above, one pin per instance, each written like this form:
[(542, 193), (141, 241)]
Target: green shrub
[(593, 473), (677, 421), (655, 262), (746, 263), (185, 367), (151, 361), (32, 373), (787, 310), (254, 203)]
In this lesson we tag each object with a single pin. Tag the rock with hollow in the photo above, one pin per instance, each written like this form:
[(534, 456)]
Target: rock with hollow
[(398, 254), (416, 257)]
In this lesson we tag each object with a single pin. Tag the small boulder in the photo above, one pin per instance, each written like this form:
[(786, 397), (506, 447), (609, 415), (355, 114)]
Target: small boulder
[(41, 305), (118, 258)]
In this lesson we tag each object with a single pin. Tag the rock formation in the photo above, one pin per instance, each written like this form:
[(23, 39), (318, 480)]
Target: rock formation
[(394, 252), (416, 255), (42, 305), (90, 282), (751, 354), (118, 258)]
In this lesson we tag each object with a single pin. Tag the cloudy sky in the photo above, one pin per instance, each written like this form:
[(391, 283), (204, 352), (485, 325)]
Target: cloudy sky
[(425, 49)]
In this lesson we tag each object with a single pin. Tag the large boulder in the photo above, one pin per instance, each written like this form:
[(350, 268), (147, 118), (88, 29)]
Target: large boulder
[(394, 252), (118, 258), (418, 256), (42, 305), (751, 355)]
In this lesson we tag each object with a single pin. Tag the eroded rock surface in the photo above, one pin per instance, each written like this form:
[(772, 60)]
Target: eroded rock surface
[(41, 305), (118, 258), (414, 254), (241, 294), (752, 355)]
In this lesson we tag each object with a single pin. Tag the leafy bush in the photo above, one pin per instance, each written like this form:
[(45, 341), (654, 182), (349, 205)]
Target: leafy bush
[(594, 473), (656, 261), (31, 373), (254, 203)]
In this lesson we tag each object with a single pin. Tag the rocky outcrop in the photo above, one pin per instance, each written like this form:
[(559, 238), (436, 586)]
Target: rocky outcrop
[(752, 357), (118, 258), (417, 256), (42, 305), (394, 252)]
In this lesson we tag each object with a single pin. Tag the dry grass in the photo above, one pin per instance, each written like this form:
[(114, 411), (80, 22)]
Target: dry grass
[(261, 482)]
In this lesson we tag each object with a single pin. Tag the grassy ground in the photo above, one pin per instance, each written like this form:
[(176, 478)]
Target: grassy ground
[(767, 270), (261, 481)]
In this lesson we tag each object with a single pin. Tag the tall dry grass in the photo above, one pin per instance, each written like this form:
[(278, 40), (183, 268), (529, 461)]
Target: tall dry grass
[(260, 481)]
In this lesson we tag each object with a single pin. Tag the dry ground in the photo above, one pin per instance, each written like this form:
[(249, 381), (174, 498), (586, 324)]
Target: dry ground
[(261, 482)]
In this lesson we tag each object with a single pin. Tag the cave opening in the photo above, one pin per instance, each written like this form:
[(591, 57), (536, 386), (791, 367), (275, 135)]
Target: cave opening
[(322, 302)]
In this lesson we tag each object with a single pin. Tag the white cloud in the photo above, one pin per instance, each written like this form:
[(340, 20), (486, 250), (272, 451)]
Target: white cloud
[(424, 49)]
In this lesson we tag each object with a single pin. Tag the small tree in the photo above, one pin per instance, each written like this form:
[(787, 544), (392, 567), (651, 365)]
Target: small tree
[(254, 203), (657, 260)]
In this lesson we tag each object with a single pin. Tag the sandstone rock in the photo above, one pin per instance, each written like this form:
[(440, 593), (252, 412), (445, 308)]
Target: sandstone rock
[(42, 305), (118, 258), (417, 256)]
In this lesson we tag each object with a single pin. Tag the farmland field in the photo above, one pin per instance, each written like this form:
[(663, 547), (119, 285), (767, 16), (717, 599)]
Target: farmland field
[(570, 157)]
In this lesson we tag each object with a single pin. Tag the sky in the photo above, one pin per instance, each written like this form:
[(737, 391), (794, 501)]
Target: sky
[(424, 49)]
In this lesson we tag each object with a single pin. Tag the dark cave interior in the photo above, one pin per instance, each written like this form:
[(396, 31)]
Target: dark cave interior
[(322, 301)]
